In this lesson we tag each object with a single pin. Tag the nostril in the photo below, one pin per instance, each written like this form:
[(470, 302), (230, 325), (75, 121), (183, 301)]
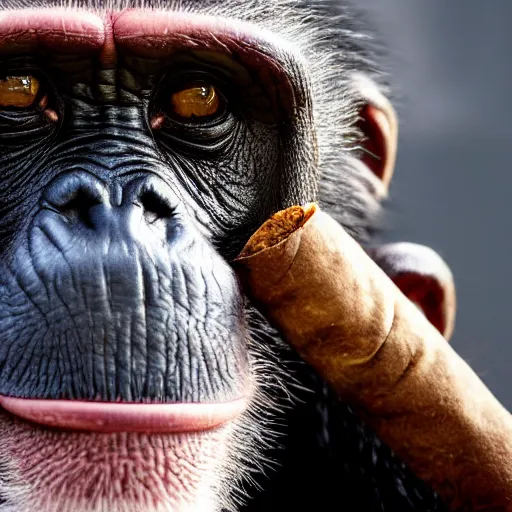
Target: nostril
[(156, 199), (79, 207), (155, 206), (75, 194)]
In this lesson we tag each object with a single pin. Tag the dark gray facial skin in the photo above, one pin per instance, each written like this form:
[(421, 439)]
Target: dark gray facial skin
[(118, 219)]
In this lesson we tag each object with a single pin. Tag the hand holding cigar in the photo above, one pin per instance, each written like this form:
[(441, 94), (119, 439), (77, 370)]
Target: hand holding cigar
[(347, 319)]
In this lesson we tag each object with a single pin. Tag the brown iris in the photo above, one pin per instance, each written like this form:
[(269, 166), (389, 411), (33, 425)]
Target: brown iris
[(18, 91), (200, 101)]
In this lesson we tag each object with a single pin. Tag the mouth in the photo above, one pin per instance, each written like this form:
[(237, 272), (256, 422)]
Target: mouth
[(110, 417)]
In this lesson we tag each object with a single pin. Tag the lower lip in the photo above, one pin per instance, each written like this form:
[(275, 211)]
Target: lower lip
[(123, 417)]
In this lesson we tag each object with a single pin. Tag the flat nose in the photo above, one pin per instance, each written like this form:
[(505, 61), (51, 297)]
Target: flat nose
[(84, 200)]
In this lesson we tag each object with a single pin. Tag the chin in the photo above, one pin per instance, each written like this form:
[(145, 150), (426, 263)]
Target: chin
[(52, 470)]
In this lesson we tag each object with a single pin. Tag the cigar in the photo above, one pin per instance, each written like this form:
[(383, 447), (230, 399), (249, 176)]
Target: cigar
[(348, 320)]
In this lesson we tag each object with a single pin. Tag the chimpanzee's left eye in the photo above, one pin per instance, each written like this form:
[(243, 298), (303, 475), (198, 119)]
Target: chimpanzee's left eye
[(19, 91), (197, 102)]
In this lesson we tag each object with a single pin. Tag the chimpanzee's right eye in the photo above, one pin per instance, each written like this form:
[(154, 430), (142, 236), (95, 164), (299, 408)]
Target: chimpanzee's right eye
[(21, 91)]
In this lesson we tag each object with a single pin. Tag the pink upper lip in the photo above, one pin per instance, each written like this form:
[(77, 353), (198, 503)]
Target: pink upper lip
[(124, 417)]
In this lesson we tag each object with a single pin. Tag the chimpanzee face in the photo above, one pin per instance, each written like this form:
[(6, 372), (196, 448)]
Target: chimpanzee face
[(139, 149)]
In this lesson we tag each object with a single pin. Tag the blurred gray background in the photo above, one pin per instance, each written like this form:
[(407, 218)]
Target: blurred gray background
[(452, 63)]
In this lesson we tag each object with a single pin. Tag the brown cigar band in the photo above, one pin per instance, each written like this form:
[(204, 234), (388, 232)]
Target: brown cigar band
[(348, 320)]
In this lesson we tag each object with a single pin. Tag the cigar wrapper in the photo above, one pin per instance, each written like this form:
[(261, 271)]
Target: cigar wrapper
[(349, 321)]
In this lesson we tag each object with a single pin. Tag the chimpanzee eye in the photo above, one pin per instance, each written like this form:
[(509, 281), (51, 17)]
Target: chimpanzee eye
[(196, 102), (19, 91)]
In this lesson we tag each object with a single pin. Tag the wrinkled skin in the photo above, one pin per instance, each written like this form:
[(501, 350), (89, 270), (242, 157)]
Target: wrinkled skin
[(118, 220)]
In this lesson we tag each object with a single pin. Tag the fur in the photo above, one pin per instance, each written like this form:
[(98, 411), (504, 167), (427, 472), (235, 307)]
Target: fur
[(326, 459)]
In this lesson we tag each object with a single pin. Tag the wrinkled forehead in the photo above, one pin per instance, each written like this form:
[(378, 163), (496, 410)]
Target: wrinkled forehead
[(148, 32), (157, 34), (151, 33)]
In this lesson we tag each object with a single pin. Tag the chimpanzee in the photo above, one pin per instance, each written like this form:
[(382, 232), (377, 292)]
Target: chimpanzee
[(141, 144)]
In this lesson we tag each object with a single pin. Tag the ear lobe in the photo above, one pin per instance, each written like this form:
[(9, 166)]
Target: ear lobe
[(423, 277), (379, 125)]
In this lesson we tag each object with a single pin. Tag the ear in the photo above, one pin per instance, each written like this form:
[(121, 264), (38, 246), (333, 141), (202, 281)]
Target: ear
[(419, 272), (423, 276), (379, 125)]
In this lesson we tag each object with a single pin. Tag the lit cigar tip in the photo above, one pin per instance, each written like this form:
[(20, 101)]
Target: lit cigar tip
[(278, 228)]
